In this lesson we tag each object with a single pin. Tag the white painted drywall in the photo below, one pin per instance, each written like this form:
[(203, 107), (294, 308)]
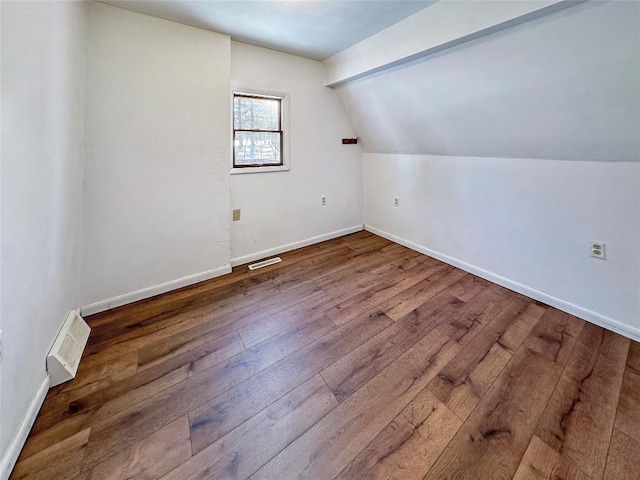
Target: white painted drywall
[(561, 94), (565, 86), (442, 25), (157, 153), (528, 221), (43, 70), (281, 208)]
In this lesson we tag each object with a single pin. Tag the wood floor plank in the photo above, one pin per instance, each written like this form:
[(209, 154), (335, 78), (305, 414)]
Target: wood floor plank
[(291, 259), (362, 274), (555, 335), (324, 450), (622, 461), (464, 381), (132, 424), (403, 260), (95, 378), (468, 287), (195, 323), (361, 364), (90, 410), (148, 459), (590, 383), (168, 303), (304, 260), (628, 413), (223, 347), (217, 302), (432, 373), (372, 243), (242, 451), (81, 414), (540, 462), (478, 313), (407, 447), (264, 329), (365, 275), (60, 460), (633, 358), (217, 417), (492, 441), (366, 301), (592, 336), (322, 266), (521, 327), (308, 261), (396, 249), (411, 298), (146, 383), (327, 250)]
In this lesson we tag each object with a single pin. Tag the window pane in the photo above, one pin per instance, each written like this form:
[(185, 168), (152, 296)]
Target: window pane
[(256, 113), (257, 148)]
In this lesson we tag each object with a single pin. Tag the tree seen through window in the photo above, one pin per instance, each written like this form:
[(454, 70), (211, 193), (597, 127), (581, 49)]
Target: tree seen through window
[(257, 130)]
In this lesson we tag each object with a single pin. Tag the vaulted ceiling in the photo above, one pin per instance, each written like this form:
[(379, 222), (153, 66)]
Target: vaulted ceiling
[(565, 86)]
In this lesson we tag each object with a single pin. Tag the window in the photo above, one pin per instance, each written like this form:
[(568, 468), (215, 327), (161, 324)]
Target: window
[(258, 134)]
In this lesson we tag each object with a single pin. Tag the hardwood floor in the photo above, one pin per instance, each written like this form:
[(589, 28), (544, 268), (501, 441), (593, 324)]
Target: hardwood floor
[(353, 359)]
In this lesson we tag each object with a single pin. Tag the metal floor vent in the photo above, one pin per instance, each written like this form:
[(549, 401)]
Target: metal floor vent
[(265, 263), (64, 357)]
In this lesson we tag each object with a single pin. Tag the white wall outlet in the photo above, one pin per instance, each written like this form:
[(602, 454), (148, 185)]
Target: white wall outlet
[(598, 250), (396, 202), (323, 200)]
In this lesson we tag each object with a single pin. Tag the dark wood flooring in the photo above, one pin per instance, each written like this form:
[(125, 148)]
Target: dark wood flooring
[(353, 359)]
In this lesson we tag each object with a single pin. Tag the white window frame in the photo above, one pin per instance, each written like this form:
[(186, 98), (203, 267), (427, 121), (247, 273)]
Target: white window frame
[(284, 122)]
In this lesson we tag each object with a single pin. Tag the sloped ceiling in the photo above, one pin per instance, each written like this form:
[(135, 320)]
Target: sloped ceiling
[(566, 86)]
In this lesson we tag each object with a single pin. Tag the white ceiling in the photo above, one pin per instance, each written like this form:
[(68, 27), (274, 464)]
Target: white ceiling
[(310, 28)]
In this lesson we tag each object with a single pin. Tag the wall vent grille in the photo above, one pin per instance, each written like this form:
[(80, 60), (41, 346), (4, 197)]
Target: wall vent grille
[(64, 357), (265, 263)]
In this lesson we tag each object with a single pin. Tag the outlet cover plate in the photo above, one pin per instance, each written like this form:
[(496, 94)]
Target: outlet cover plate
[(598, 250)]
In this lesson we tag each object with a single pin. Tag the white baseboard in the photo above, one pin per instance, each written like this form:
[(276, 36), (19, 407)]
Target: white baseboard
[(120, 300), (13, 452), (585, 314), (292, 246)]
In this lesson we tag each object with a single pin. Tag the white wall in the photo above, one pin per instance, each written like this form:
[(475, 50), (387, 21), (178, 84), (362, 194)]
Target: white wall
[(527, 221), (157, 156), (283, 208), (43, 69), (559, 93), (564, 86)]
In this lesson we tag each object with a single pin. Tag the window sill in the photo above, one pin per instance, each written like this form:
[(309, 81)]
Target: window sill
[(279, 168)]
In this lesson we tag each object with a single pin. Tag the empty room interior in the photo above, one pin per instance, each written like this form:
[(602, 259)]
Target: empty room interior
[(320, 239)]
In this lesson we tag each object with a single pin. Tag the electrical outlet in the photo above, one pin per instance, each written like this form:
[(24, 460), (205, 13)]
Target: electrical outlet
[(598, 250), (396, 202), (236, 214), (323, 200)]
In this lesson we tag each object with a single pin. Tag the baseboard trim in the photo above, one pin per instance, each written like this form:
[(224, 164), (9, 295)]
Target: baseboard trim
[(586, 314), (127, 298), (292, 246), (10, 457)]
